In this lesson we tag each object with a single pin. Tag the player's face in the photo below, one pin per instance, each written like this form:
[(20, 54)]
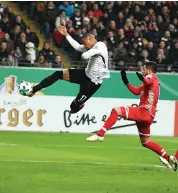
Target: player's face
[(146, 70), (88, 42)]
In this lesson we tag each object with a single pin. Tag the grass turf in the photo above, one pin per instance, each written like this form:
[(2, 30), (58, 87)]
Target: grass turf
[(67, 163)]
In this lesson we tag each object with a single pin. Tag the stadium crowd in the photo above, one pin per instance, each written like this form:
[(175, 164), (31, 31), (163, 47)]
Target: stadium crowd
[(134, 32), (19, 45)]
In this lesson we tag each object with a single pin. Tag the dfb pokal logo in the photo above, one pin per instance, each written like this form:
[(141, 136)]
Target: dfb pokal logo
[(10, 85)]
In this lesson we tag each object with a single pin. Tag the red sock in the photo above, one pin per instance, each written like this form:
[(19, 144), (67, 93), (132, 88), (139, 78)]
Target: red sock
[(111, 120), (176, 155), (157, 149)]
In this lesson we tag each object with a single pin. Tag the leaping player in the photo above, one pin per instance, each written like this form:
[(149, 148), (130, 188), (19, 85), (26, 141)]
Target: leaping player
[(89, 79), (143, 115)]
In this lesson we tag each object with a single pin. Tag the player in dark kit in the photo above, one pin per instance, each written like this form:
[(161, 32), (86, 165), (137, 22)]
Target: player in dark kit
[(143, 115), (90, 79)]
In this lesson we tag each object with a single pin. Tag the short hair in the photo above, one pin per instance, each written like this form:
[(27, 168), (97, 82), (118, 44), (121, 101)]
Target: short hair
[(86, 35), (151, 65)]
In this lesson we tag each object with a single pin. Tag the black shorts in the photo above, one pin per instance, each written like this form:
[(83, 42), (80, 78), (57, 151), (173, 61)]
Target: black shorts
[(87, 87)]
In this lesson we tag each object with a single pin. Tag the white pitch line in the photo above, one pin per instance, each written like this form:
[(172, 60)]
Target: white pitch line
[(84, 163), (80, 146)]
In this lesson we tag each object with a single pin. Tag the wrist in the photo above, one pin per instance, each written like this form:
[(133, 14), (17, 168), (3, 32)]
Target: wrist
[(66, 34)]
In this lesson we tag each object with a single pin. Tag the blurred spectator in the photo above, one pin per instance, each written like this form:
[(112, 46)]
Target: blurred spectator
[(120, 65), (121, 38), (3, 51), (47, 52), (101, 30), (61, 19), (9, 42), (26, 61), (32, 37), (165, 14), (68, 8), (120, 52), (77, 19), (10, 61), (111, 40), (138, 15), (17, 54), (129, 28), (167, 38), (5, 24), (42, 63), (15, 34), (151, 50), (57, 63), (30, 50), (1, 34), (131, 57), (20, 23), (173, 31), (161, 59), (40, 7), (144, 56), (162, 45), (9, 12), (83, 10), (1, 10), (96, 11), (173, 56), (48, 16), (137, 38), (21, 43), (154, 35), (94, 33), (113, 27), (120, 20), (162, 25)]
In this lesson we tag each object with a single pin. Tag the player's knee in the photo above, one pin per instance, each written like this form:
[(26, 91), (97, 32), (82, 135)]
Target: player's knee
[(74, 106), (118, 110), (145, 144)]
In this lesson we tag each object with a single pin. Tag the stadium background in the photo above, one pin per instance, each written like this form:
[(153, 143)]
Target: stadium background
[(30, 49)]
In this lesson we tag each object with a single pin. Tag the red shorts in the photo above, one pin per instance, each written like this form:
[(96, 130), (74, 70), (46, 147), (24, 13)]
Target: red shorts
[(142, 117)]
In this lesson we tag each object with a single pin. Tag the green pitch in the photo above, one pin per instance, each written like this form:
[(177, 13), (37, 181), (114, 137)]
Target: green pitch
[(67, 163)]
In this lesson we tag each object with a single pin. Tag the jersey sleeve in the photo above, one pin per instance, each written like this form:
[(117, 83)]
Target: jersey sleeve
[(135, 90), (75, 44), (148, 80), (93, 51)]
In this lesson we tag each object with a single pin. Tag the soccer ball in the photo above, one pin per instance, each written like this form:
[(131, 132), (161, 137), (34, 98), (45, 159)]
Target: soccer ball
[(25, 88)]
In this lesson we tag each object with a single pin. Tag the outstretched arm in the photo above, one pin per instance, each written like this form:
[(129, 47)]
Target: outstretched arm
[(133, 89), (72, 42), (75, 44), (92, 52)]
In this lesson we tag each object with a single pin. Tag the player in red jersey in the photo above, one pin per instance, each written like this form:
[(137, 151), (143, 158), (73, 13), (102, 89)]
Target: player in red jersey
[(143, 114)]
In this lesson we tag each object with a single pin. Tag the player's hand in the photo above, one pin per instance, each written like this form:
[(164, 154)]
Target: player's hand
[(124, 77), (140, 76), (62, 30)]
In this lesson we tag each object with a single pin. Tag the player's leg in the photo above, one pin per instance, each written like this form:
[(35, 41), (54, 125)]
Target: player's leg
[(49, 80), (72, 75), (131, 113), (87, 89), (144, 133)]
